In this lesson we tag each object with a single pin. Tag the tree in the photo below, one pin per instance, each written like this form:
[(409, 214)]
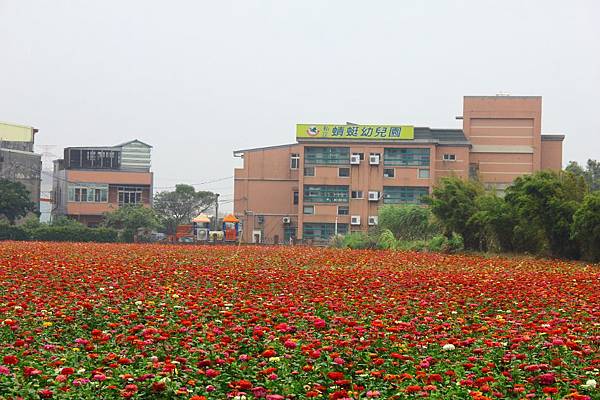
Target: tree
[(546, 202), (14, 200), (591, 173), (131, 218), (181, 205), (493, 222), (586, 226), (453, 202)]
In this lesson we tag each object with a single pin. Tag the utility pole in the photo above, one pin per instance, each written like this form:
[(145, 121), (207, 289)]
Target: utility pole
[(216, 211)]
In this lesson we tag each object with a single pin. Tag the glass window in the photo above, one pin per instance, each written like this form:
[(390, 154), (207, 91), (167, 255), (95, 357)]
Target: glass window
[(322, 232), (404, 194), (423, 174), (344, 172), (89, 193), (357, 194), (326, 155), (309, 171), (360, 155), (129, 195), (388, 172), (325, 194), (343, 210), (295, 198), (309, 210), (295, 161), (406, 157), (449, 157)]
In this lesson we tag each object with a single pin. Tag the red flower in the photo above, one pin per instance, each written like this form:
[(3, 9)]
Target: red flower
[(334, 375), (10, 360)]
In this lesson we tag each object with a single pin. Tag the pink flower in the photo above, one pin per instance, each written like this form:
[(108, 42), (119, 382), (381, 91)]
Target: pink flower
[(99, 377), (339, 361), (547, 379), (373, 393), (4, 370)]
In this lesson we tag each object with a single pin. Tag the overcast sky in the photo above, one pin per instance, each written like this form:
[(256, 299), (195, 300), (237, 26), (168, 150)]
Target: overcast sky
[(198, 79)]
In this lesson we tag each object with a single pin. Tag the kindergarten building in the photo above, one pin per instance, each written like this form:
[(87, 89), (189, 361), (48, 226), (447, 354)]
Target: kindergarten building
[(335, 177)]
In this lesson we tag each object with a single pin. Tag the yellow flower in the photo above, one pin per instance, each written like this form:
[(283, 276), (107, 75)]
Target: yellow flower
[(47, 324)]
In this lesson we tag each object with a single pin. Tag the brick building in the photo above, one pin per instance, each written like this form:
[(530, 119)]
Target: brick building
[(90, 181), (335, 177)]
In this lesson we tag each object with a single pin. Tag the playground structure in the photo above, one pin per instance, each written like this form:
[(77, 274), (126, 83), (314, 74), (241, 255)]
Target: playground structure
[(199, 231)]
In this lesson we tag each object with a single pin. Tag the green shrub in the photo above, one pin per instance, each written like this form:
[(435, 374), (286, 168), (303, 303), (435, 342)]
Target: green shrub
[(387, 240), (360, 240), (586, 226), (409, 222), (337, 242), (12, 232), (437, 243), (72, 233)]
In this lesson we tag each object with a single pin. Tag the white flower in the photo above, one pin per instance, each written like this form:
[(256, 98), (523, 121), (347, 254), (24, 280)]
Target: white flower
[(138, 303), (449, 347), (591, 384)]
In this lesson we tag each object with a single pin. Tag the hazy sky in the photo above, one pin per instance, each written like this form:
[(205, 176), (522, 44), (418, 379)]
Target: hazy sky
[(198, 79)]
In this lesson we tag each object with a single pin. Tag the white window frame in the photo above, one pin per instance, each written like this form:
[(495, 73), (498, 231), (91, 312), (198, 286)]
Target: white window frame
[(449, 157), (393, 173), (304, 210), (294, 159)]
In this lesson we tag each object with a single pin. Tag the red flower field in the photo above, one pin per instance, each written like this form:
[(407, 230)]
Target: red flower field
[(85, 321)]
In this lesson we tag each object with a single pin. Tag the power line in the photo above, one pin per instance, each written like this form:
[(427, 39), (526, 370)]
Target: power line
[(195, 184)]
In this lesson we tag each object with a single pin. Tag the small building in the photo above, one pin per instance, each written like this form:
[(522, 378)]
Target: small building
[(335, 177), (90, 181), (18, 162)]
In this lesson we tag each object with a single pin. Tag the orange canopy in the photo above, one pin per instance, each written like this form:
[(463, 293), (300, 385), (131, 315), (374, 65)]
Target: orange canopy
[(202, 218), (230, 218)]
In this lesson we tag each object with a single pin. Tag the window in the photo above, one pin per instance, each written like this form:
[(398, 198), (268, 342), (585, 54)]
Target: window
[(325, 194), (343, 210), (406, 157), (344, 172), (388, 172), (326, 156), (357, 194), (296, 198), (423, 174), (404, 194), (129, 195), (309, 171), (322, 232), (361, 156), (90, 193), (449, 157), (294, 161), (309, 210)]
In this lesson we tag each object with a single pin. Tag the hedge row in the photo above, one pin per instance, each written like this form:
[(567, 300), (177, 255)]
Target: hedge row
[(59, 234)]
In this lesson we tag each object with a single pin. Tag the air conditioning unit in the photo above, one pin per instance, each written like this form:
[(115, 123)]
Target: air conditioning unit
[(355, 220), (374, 159), (355, 159), (373, 196), (286, 220), (373, 220)]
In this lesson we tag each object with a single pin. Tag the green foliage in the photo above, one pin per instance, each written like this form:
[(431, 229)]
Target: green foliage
[(409, 222), (545, 202), (453, 202), (591, 173), (181, 205), (57, 233), (493, 223), (12, 232), (71, 233), (387, 240), (586, 226), (14, 200), (129, 219), (66, 221), (360, 240)]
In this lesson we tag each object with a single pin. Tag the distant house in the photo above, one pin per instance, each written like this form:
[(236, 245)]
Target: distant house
[(90, 181), (18, 162)]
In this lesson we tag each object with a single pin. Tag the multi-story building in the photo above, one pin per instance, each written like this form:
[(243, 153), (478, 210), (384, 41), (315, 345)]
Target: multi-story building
[(90, 181), (335, 177), (18, 162)]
